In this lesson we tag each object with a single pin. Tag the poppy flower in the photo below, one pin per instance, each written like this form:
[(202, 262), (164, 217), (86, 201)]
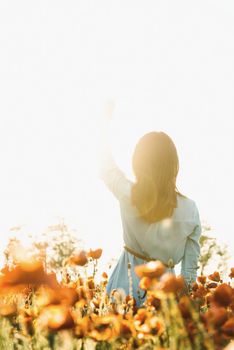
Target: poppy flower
[(46, 296), (68, 296), (95, 254), (228, 327), (153, 301), (104, 275), (184, 306), (84, 325), (169, 283), (153, 269), (223, 295), (29, 272), (195, 286), (145, 283), (215, 276), (143, 328), (155, 325), (212, 285), (201, 279), (104, 327), (232, 273), (7, 310), (141, 315), (200, 293), (217, 316), (79, 259), (56, 317), (127, 329), (90, 282)]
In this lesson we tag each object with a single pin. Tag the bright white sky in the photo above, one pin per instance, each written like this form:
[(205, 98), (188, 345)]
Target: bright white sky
[(169, 65)]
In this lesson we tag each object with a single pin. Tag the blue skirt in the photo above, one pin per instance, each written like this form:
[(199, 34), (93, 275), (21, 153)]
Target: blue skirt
[(120, 278)]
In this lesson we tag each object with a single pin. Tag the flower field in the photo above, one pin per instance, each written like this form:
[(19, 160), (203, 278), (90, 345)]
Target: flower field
[(39, 312)]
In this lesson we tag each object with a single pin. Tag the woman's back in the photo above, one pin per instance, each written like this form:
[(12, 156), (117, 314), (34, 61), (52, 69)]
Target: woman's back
[(158, 222), (165, 239)]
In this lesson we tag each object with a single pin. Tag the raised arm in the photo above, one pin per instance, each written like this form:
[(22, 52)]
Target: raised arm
[(192, 252), (110, 173)]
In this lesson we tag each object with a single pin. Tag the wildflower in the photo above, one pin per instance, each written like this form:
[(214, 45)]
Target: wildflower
[(7, 310), (28, 272), (201, 279), (104, 275), (46, 296), (212, 285), (195, 286), (184, 306), (232, 273), (217, 316), (155, 325), (153, 301), (104, 279), (84, 325), (95, 254), (209, 299), (228, 327), (90, 282), (145, 283), (153, 269), (169, 283), (215, 276), (141, 316), (68, 296), (200, 293), (79, 259), (223, 294), (56, 317), (143, 328), (104, 327), (127, 329)]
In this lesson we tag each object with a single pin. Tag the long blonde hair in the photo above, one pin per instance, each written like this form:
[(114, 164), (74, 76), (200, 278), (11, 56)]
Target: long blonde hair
[(155, 165)]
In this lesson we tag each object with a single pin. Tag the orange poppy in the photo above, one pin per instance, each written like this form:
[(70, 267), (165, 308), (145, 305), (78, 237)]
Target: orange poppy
[(153, 269), (79, 259), (56, 317), (215, 276), (95, 254), (223, 295)]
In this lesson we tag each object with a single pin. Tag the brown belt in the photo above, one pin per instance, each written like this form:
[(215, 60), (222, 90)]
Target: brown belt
[(170, 263)]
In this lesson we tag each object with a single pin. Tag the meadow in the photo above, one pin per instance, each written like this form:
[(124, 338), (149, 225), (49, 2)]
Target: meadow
[(43, 309)]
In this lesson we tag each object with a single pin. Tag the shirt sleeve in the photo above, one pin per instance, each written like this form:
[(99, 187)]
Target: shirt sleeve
[(191, 256), (112, 176)]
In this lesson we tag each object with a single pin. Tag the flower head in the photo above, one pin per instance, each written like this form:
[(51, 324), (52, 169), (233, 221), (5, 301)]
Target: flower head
[(153, 269)]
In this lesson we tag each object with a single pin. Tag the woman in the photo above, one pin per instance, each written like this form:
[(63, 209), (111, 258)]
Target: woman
[(158, 221)]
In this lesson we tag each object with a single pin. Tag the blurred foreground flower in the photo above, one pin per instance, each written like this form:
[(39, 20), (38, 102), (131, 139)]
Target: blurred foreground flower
[(153, 269), (56, 317), (223, 295), (27, 272)]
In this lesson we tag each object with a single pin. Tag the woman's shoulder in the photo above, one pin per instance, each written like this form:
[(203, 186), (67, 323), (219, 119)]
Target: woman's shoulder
[(186, 208)]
